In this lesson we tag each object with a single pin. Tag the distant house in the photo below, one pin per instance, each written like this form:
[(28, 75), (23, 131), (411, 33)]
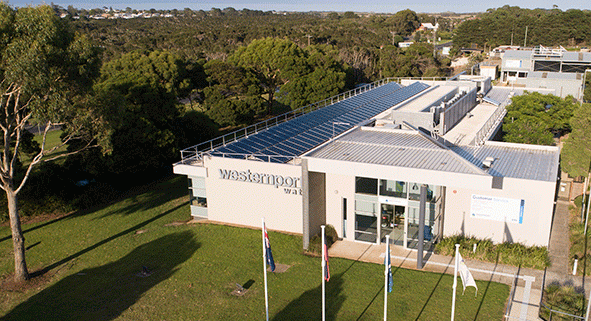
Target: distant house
[(428, 26), (405, 44)]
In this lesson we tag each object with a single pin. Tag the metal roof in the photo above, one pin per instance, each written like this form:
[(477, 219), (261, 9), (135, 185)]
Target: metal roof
[(515, 160), (501, 94), (411, 149), (570, 56), (404, 148), (295, 137)]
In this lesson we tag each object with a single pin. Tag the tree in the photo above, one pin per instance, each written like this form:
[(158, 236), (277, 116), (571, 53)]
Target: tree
[(404, 22), (534, 118), (234, 96), (350, 15), (327, 77), (576, 152), (275, 61), (138, 93), (44, 67)]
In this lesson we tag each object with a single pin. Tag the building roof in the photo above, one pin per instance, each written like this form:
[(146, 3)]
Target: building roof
[(295, 137), (404, 148), (515, 160), (571, 56), (412, 149), (422, 103)]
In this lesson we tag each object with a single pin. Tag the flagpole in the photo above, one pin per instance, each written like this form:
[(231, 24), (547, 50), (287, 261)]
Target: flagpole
[(323, 276), (453, 300), (265, 269), (386, 259)]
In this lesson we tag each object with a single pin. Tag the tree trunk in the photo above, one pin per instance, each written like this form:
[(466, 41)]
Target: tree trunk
[(20, 265), (270, 102)]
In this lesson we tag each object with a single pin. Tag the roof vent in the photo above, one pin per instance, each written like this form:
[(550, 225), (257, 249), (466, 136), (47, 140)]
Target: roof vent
[(487, 163)]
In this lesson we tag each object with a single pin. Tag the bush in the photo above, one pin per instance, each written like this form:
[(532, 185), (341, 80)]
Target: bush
[(505, 253), (562, 298), (315, 246)]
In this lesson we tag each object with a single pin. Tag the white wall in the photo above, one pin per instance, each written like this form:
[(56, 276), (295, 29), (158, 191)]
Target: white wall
[(337, 188), (244, 203), (538, 196), (537, 215)]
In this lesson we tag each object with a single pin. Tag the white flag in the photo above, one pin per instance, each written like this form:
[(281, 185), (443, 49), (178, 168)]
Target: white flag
[(465, 275)]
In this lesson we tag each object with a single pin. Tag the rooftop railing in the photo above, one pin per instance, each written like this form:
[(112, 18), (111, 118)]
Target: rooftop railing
[(193, 155), (491, 124)]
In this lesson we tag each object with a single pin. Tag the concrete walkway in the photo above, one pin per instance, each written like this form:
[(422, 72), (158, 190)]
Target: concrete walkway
[(559, 240)]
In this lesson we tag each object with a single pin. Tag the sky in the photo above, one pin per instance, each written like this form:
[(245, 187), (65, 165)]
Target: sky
[(378, 6)]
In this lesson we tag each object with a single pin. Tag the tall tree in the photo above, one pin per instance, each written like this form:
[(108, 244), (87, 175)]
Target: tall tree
[(138, 93), (44, 67), (276, 61)]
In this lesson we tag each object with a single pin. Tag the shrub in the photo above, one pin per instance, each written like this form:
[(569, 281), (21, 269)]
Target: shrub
[(562, 298), (505, 253), (315, 246)]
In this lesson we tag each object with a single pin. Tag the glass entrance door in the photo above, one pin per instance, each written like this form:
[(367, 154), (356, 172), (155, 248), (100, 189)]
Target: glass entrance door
[(393, 223)]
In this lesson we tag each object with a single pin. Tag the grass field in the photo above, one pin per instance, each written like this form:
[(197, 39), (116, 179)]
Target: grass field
[(90, 266)]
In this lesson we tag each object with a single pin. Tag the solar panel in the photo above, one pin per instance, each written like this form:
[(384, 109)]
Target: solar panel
[(296, 136)]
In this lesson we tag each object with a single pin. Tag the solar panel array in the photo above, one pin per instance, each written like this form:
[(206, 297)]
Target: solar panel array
[(295, 137)]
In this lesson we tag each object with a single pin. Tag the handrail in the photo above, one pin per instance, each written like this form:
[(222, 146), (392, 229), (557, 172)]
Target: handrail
[(193, 153), (561, 312), (489, 125)]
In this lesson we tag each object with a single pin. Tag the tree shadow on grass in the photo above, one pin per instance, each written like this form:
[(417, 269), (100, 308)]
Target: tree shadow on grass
[(309, 305), (103, 293), (159, 193), (149, 196), (104, 241)]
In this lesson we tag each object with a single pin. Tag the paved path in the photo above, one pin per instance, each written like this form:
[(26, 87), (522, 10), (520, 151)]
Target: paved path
[(559, 240)]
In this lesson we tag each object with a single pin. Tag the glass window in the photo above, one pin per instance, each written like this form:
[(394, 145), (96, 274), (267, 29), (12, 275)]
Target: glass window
[(366, 185), (415, 192), (199, 201), (393, 188), (363, 206), (366, 228)]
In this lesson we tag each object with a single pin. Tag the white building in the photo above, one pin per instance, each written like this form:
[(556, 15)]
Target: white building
[(412, 160), (556, 69)]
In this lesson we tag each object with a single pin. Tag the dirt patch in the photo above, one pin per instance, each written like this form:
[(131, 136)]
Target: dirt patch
[(38, 281), (280, 268), (178, 223)]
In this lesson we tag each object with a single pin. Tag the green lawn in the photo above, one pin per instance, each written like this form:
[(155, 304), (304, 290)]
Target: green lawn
[(51, 140), (92, 262)]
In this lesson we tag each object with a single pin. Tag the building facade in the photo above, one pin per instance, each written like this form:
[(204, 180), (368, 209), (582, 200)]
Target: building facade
[(412, 160)]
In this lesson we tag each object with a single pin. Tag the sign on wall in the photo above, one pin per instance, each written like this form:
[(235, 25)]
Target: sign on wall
[(512, 63), (497, 208), (290, 185)]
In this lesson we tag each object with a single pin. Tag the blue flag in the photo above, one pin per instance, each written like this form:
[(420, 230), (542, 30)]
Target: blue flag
[(387, 263), (269, 255)]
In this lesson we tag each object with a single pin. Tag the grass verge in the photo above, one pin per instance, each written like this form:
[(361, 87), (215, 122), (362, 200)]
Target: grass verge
[(134, 260)]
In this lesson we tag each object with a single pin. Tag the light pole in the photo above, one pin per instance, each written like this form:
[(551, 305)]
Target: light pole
[(337, 123)]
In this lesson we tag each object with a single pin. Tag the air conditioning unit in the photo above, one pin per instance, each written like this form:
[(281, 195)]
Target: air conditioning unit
[(487, 163)]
